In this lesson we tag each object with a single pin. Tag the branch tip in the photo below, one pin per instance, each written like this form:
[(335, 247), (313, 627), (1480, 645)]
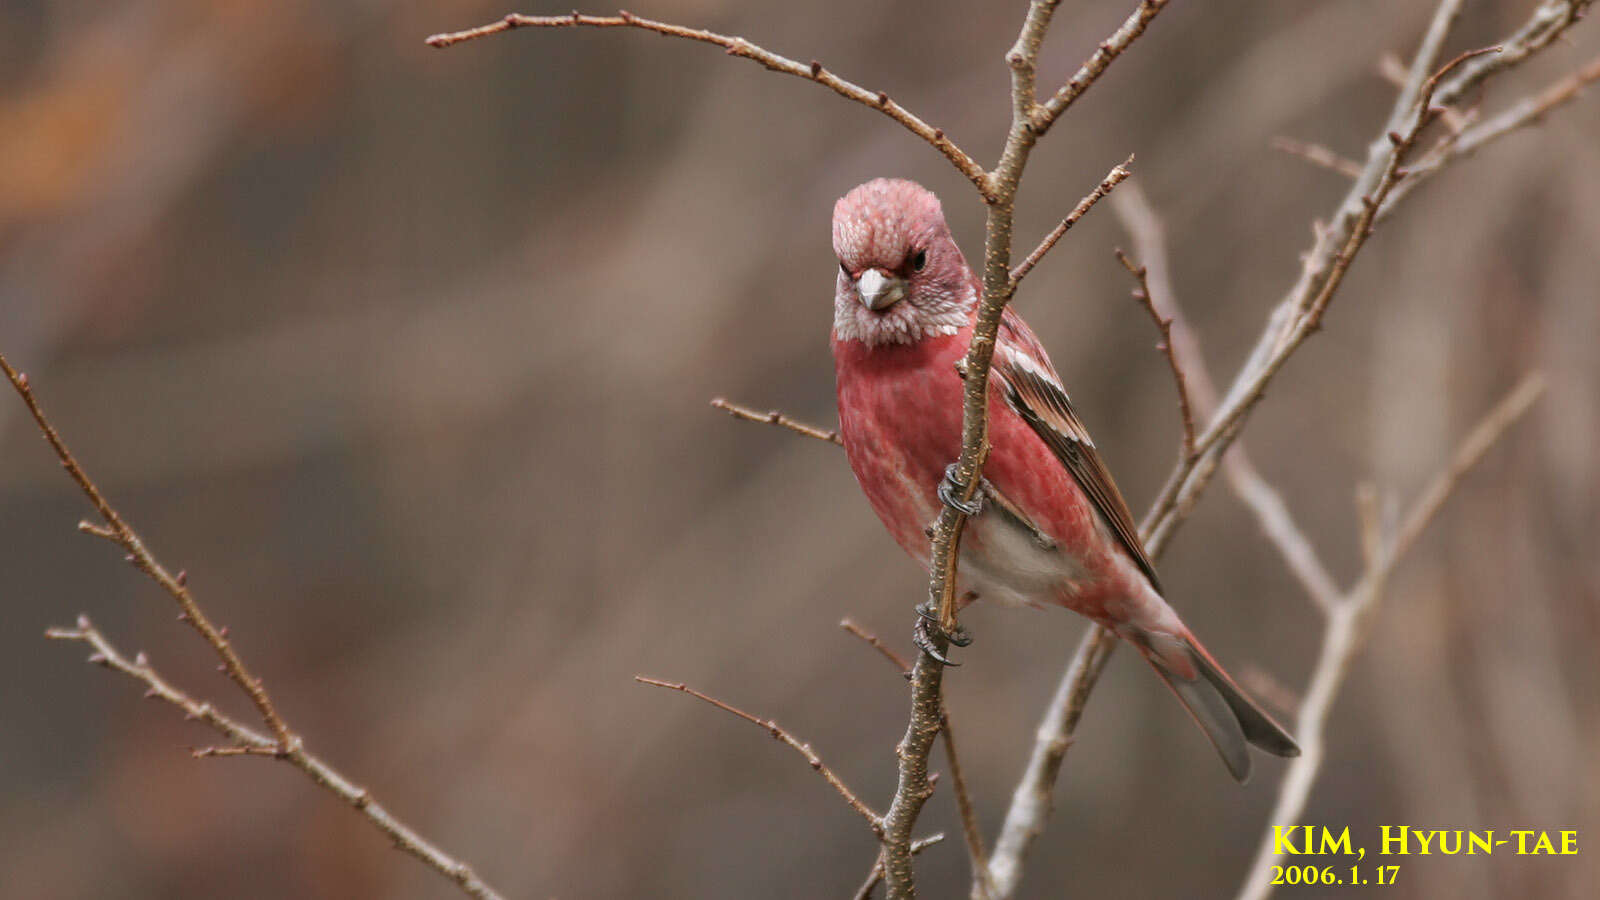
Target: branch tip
[(738, 46), (778, 732)]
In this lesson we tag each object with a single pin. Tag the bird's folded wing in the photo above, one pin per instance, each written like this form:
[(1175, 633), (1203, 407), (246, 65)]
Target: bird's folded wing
[(1034, 392)]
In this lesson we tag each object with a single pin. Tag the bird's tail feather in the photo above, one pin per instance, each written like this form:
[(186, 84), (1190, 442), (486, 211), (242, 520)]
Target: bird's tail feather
[(1230, 719)]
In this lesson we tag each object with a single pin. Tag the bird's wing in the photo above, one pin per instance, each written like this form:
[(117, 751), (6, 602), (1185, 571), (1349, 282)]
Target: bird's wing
[(1032, 388)]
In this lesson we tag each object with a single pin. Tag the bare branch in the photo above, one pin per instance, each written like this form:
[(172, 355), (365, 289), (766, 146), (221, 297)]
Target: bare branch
[(969, 818), (1343, 638), (875, 877), (874, 821), (1273, 516), (1029, 120), (1149, 237), (914, 787), (1527, 112), (1031, 801), (773, 417), (218, 752), (1548, 22), (1294, 319), (1318, 155), (876, 643), (248, 741), (1308, 312), (1164, 325), (1472, 450), (1096, 65), (119, 532), (738, 46), (1116, 176), (1423, 95), (971, 831)]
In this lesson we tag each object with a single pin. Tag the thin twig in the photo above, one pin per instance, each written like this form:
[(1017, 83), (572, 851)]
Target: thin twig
[(876, 643), (1472, 450), (773, 417), (913, 787), (1032, 799), (1344, 636), (218, 752), (1549, 21), (738, 46), (1096, 65), (1318, 155), (118, 531), (1308, 318), (970, 828), (1296, 317), (249, 741), (778, 732), (875, 877), (1287, 326), (1116, 176), (1164, 325), (1272, 514), (971, 831), (1029, 120), (1527, 112)]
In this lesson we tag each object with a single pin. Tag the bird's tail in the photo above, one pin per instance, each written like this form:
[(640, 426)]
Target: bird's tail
[(1228, 717)]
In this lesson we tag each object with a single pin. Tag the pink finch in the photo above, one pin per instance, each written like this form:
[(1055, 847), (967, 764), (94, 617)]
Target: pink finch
[(1050, 525)]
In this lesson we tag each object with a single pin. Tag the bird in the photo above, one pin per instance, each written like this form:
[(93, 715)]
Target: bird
[(1047, 526)]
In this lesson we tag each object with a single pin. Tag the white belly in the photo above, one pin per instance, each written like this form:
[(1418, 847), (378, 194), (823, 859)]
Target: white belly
[(1004, 561)]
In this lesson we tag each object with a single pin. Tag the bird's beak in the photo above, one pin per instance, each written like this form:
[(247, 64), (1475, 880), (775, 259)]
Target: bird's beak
[(879, 290)]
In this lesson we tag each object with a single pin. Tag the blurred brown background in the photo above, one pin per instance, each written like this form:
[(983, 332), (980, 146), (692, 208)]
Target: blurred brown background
[(404, 355)]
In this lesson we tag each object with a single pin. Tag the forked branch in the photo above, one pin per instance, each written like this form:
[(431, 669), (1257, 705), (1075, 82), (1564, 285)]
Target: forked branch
[(1116, 176), (1344, 635), (738, 46), (782, 735), (246, 741), (283, 743)]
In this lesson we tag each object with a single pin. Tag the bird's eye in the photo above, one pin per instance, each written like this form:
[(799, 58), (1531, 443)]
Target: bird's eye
[(920, 261), (844, 268)]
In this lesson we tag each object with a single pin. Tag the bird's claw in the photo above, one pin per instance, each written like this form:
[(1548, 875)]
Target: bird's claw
[(951, 492), (928, 627), (919, 636), (961, 637)]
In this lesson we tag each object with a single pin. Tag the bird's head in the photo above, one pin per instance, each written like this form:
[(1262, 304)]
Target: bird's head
[(901, 275)]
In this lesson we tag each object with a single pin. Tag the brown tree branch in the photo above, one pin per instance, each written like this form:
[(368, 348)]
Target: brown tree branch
[(1294, 319), (876, 643), (773, 417), (970, 828), (249, 742), (1549, 21), (1318, 155), (1527, 112), (1164, 325), (1028, 119), (1032, 799), (1291, 323), (738, 46), (1096, 65), (875, 877), (779, 733), (1149, 237), (1344, 635), (117, 531), (1116, 176), (1307, 314)]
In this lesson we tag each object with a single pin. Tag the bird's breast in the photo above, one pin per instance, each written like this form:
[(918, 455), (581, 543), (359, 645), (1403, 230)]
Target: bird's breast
[(900, 422)]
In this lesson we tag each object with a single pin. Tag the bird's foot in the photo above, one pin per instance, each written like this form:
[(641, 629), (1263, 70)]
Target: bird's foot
[(928, 628), (952, 490)]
